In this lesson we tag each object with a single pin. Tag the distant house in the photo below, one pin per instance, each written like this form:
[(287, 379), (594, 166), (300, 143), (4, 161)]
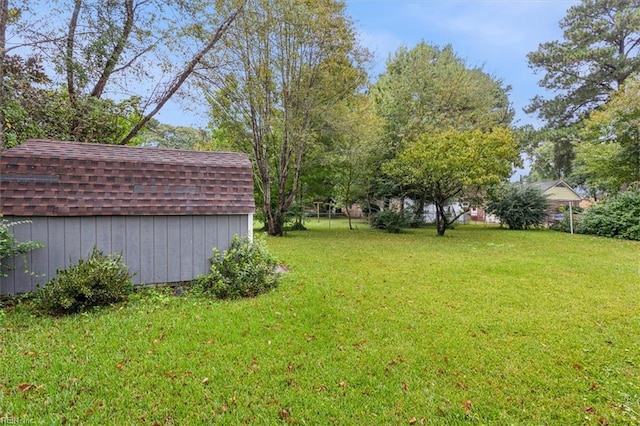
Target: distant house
[(559, 194), (429, 212), (163, 209), (478, 214)]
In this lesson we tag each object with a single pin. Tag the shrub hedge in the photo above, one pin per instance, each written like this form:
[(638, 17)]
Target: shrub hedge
[(98, 281), (616, 217), (246, 269)]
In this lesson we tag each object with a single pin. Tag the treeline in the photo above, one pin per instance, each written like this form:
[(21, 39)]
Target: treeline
[(285, 81)]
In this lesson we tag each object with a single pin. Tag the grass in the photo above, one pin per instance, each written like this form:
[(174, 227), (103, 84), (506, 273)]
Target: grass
[(481, 326)]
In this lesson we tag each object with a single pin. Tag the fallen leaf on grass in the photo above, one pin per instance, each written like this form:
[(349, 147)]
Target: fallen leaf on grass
[(342, 384), (28, 387), (397, 360), (594, 386), (284, 414), (23, 387), (205, 381), (467, 407)]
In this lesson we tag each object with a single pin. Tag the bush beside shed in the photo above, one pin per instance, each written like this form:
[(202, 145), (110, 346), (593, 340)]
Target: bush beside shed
[(163, 209)]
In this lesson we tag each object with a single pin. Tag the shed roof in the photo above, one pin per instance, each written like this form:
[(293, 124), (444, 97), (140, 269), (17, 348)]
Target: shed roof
[(55, 178)]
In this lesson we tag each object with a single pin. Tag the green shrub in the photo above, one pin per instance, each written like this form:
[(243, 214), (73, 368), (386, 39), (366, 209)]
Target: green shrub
[(616, 217), (519, 207), (389, 221), (100, 280), (10, 247), (246, 269)]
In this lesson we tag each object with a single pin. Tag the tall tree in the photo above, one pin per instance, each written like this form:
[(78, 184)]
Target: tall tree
[(31, 104), (289, 61), (354, 132), (427, 90), (600, 49), (428, 87), (142, 51)]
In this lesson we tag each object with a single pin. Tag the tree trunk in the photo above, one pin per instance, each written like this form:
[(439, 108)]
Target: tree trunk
[(114, 57), (369, 215), (4, 12), (275, 224), (78, 115), (418, 213), (441, 218), (182, 77)]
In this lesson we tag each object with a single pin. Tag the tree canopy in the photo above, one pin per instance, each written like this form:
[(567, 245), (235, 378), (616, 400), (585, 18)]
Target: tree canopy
[(609, 156), (113, 66), (456, 166), (430, 88), (443, 122), (599, 51), (288, 63)]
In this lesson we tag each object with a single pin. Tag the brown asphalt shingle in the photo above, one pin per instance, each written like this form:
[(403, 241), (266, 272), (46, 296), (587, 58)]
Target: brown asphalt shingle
[(54, 178)]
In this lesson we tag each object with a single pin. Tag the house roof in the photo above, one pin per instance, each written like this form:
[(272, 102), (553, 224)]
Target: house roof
[(55, 178), (557, 190)]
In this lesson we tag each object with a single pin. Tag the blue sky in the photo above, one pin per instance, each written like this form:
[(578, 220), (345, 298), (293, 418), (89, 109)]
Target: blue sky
[(495, 34)]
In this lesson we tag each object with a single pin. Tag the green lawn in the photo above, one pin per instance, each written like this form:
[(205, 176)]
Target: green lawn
[(482, 326)]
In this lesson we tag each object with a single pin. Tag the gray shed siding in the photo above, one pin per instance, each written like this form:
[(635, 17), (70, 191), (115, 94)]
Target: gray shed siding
[(158, 249)]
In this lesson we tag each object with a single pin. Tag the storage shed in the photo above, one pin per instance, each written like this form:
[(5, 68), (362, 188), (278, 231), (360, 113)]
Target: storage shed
[(162, 209)]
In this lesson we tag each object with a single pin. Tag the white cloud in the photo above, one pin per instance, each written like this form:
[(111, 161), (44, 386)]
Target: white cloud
[(490, 29), (381, 44), (495, 34)]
